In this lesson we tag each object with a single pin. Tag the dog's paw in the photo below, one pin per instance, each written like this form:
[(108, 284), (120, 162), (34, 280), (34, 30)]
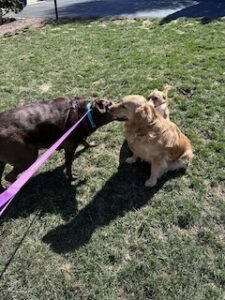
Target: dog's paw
[(130, 160), (150, 182), (71, 177), (73, 182), (92, 144), (89, 145)]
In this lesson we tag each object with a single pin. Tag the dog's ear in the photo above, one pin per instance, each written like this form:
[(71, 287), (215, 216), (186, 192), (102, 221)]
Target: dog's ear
[(151, 94), (166, 89), (144, 115), (142, 111)]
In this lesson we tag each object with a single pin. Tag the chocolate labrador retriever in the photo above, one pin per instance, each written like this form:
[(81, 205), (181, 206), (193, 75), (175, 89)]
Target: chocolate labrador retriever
[(25, 130)]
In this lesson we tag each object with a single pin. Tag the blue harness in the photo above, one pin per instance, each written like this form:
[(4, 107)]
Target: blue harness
[(90, 115)]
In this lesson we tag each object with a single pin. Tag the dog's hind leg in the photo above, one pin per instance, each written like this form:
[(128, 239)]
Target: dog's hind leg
[(2, 167), (26, 156), (12, 176)]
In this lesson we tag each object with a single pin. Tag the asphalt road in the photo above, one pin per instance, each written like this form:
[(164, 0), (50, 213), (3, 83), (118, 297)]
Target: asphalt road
[(129, 8)]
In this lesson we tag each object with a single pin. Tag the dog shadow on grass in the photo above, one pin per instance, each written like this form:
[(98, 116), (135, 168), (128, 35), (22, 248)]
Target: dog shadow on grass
[(48, 193), (123, 192)]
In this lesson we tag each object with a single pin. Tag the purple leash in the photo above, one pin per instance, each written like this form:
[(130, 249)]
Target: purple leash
[(7, 196)]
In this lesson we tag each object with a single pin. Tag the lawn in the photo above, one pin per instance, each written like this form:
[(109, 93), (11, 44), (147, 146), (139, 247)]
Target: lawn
[(108, 237)]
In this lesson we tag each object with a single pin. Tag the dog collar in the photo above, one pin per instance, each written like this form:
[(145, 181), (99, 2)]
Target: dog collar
[(90, 115)]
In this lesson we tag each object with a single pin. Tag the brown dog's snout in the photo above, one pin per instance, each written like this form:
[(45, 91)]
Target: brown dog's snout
[(114, 105), (107, 104), (111, 107)]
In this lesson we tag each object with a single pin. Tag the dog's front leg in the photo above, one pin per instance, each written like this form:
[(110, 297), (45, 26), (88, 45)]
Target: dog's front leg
[(12, 175), (69, 157), (158, 168), (2, 167)]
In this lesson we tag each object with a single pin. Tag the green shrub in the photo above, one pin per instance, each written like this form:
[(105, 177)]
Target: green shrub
[(10, 5)]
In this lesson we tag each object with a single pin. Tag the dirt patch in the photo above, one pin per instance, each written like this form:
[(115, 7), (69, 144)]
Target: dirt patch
[(123, 21), (218, 192), (44, 88), (147, 24), (18, 24)]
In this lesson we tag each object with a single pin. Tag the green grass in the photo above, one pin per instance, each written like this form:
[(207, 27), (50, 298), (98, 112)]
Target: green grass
[(109, 237)]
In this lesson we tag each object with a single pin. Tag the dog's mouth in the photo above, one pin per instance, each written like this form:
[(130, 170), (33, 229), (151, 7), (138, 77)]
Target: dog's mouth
[(115, 118), (121, 119)]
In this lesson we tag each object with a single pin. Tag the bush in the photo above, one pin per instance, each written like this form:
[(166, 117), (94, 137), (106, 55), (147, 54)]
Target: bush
[(10, 5)]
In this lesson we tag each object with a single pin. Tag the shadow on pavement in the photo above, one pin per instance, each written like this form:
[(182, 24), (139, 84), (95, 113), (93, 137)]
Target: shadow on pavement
[(206, 10)]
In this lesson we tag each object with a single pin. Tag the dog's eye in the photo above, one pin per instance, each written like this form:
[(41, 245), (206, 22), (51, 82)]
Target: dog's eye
[(154, 98), (123, 106)]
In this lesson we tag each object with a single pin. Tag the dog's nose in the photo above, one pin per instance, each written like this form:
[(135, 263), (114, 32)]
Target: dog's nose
[(110, 106), (111, 109)]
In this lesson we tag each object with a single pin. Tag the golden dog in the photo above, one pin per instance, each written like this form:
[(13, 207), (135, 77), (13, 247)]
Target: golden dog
[(152, 138), (160, 100)]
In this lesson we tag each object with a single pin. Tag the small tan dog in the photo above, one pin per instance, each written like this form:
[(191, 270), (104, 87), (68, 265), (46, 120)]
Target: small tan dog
[(152, 138), (160, 101)]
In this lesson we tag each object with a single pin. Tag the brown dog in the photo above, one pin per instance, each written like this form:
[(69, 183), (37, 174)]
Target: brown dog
[(152, 138), (25, 130), (160, 101)]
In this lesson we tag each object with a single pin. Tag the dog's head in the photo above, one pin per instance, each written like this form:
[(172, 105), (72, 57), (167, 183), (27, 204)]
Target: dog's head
[(101, 113), (127, 108), (157, 98)]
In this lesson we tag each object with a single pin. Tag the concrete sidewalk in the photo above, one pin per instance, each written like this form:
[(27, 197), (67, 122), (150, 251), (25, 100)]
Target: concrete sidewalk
[(125, 8)]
